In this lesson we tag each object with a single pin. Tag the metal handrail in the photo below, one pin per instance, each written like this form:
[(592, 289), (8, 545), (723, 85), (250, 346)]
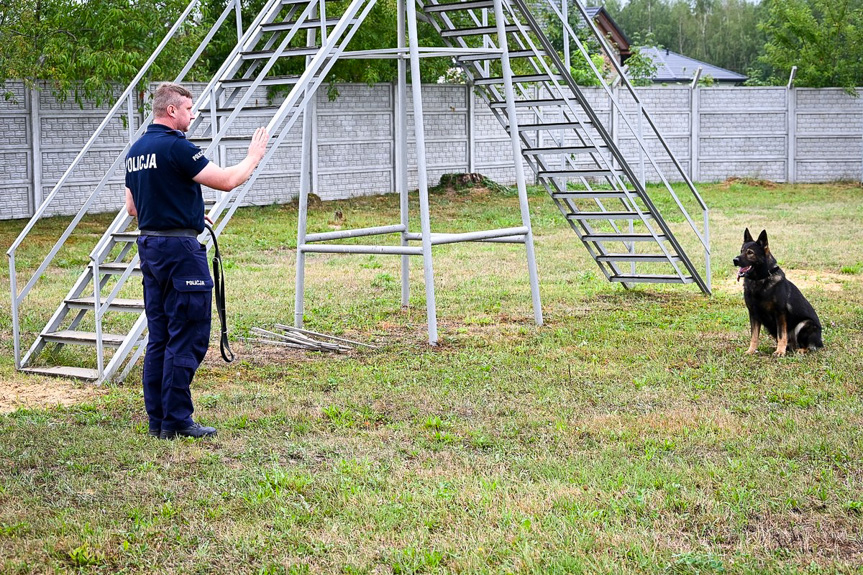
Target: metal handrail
[(625, 81)]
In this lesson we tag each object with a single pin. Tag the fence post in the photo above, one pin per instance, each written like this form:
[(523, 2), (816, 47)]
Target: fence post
[(694, 124), (471, 128), (791, 113), (35, 199)]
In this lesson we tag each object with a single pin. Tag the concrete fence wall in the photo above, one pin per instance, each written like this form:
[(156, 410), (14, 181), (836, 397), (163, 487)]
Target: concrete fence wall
[(779, 134)]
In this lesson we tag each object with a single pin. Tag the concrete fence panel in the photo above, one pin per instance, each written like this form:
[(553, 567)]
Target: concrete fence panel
[(774, 133)]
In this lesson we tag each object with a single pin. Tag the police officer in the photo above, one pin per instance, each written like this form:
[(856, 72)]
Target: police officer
[(164, 174)]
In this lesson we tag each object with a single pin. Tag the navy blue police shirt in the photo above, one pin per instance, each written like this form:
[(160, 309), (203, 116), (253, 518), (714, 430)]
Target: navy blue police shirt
[(159, 171)]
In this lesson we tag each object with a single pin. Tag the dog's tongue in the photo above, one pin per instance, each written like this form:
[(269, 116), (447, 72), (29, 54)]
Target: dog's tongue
[(742, 272)]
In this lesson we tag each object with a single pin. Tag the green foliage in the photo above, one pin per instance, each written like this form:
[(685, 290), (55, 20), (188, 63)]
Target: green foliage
[(582, 72), (83, 48), (641, 68), (378, 31), (720, 32), (823, 38)]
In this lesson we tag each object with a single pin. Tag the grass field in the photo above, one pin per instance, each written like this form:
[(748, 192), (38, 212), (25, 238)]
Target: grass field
[(629, 434)]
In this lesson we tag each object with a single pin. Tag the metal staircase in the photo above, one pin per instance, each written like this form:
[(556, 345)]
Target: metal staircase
[(294, 43), (571, 149), (272, 42)]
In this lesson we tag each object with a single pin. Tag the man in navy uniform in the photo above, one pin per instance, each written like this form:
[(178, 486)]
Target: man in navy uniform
[(164, 174)]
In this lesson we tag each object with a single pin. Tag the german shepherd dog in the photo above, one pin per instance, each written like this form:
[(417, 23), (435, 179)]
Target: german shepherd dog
[(773, 301)]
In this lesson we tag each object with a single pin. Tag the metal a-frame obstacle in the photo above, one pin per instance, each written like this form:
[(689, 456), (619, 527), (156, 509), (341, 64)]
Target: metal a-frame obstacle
[(516, 69)]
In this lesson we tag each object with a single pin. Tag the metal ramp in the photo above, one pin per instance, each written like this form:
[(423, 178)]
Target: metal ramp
[(572, 150), (294, 43)]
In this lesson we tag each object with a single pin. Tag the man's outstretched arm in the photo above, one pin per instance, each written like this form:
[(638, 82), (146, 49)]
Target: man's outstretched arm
[(226, 179)]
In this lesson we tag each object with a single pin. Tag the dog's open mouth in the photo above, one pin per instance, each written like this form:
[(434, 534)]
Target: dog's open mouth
[(742, 272)]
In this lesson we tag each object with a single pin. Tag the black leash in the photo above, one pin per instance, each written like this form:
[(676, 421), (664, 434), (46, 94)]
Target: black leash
[(219, 294)]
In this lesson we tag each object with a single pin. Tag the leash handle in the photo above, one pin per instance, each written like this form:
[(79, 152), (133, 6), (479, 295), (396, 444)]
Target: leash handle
[(219, 294)]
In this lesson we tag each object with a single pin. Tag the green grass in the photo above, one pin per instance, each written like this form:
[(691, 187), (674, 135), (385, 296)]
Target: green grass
[(628, 434)]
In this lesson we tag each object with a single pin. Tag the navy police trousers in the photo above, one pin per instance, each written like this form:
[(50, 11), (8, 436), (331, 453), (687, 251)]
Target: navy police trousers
[(178, 302)]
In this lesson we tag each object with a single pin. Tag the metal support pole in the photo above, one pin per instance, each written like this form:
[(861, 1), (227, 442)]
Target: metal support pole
[(130, 116), (36, 148), (471, 128), (564, 8), (16, 332), (707, 273), (519, 164), (422, 176), (305, 185), (401, 143), (97, 312)]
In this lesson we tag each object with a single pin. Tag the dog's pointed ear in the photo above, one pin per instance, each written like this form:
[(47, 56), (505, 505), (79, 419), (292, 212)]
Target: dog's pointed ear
[(762, 241), (747, 237)]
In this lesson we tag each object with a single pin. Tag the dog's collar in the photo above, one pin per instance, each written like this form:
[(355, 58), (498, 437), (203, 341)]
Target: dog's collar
[(774, 269)]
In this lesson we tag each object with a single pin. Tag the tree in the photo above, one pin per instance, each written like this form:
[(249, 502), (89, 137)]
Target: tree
[(823, 38), (720, 32), (83, 48)]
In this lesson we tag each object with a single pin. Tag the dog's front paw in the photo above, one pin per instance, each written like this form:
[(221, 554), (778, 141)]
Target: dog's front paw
[(752, 351), (779, 353)]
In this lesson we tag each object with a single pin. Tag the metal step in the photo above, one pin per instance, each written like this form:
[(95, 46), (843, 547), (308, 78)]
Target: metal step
[(638, 258), (116, 268), (600, 237), (245, 111), (589, 195), (606, 216), (268, 81), (83, 338), (119, 304), (542, 102), (562, 150), (550, 126), (516, 79), (472, 5), (482, 31), (595, 173), (200, 142), (491, 56), (64, 371), (286, 53), (651, 279), (305, 25)]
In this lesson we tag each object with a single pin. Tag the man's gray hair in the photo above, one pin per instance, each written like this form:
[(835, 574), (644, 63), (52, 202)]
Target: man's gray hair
[(168, 94)]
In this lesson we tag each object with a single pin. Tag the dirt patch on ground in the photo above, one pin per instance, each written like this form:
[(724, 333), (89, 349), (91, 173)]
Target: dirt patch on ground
[(806, 280), (754, 182), (809, 535), (43, 393)]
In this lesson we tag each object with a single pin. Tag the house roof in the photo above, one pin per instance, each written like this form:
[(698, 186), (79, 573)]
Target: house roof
[(674, 67), (610, 29)]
